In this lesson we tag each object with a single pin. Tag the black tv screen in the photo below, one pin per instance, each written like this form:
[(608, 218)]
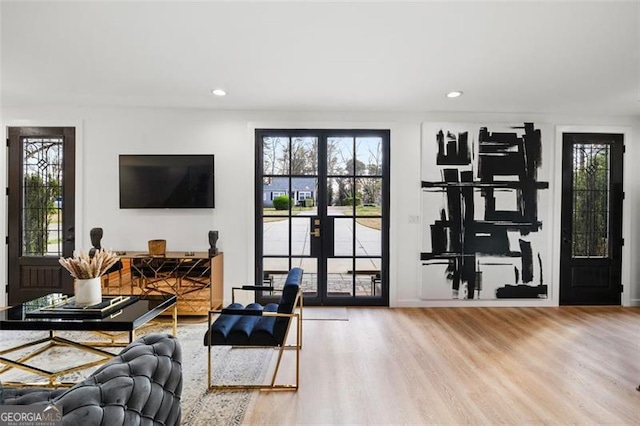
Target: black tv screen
[(166, 181)]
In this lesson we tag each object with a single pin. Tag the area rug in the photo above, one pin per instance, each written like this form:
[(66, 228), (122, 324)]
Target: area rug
[(325, 313), (199, 405)]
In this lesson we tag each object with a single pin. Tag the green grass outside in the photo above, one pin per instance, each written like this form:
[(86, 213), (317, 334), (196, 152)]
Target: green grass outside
[(270, 211), (364, 211), (374, 223), (295, 210)]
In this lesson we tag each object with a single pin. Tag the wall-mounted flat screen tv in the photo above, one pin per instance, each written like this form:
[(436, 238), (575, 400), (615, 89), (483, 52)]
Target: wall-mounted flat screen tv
[(166, 181)]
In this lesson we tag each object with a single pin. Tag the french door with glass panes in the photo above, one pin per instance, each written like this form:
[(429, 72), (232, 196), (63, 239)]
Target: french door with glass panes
[(322, 204)]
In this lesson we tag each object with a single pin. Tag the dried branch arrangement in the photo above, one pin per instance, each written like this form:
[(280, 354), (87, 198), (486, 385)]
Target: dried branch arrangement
[(84, 267)]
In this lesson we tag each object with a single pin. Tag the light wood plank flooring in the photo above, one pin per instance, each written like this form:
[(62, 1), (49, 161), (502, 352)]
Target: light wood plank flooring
[(569, 365)]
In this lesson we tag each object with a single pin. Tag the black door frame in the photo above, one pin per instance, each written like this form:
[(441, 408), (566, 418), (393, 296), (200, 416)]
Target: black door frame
[(592, 295), (323, 135)]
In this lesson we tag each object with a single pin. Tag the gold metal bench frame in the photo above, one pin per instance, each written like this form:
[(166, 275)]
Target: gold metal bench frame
[(296, 314)]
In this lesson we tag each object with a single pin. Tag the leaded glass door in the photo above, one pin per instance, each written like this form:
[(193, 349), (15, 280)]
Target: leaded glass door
[(322, 204), (41, 210), (591, 222)]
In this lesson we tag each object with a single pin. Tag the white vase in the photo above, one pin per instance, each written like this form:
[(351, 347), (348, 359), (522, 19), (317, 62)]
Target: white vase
[(88, 291)]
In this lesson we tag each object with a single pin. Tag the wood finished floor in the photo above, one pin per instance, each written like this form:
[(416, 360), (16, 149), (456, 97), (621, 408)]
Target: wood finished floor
[(569, 365)]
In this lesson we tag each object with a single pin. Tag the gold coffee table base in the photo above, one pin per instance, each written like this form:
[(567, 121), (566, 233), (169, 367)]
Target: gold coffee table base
[(50, 342)]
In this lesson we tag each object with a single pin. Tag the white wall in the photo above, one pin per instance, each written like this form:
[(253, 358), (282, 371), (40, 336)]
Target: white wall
[(107, 132)]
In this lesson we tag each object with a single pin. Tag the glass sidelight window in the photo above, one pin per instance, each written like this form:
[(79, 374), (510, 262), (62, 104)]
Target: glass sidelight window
[(42, 196), (590, 200)]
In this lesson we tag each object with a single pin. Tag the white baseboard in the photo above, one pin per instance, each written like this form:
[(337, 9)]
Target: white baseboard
[(511, 303), (418, 303)]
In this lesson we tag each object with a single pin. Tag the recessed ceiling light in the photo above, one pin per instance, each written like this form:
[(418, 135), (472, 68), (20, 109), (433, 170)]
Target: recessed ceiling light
[(454, 94), (218, 92)]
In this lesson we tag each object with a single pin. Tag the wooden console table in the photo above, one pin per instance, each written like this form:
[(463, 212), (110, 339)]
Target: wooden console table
[(193, 277)]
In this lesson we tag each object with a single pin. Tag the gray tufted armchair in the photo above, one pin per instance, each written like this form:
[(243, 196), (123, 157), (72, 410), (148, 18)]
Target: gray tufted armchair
[(140, 386)]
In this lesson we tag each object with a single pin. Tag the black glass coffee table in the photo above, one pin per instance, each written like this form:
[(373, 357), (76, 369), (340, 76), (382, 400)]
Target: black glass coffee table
[(55, 312)]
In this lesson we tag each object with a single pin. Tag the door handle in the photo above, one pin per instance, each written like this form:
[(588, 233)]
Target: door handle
[(316, 232)]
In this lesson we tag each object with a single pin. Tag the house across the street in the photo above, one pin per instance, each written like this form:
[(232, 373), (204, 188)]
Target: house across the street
[(301, 189)]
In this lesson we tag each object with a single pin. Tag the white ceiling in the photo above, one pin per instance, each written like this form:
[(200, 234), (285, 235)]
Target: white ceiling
[(555, 57)]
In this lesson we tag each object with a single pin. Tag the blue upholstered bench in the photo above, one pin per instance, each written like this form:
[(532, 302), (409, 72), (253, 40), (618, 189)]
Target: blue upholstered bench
[(255, 325)]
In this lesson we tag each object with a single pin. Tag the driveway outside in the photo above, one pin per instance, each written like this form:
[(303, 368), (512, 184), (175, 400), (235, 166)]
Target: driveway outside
[(368, 243)]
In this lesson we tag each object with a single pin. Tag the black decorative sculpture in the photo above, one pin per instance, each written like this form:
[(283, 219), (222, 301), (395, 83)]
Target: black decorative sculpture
[(96, 236), (213, 240)]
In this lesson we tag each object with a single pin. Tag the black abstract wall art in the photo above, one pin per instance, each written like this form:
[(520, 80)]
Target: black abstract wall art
[(483, 233)]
